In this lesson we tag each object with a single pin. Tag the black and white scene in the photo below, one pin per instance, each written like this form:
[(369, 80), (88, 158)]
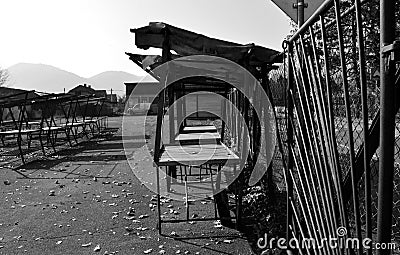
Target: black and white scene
[(263, 127)]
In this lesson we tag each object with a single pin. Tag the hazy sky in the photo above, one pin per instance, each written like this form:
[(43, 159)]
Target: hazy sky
[(90, 36)]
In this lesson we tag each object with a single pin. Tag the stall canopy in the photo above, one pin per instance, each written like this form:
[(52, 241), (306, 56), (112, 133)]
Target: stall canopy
[(186, 43)]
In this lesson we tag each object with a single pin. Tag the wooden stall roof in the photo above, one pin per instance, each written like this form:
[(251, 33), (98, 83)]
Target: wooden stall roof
[(192, 84), (213, 74), (13, 93), (186, 43)]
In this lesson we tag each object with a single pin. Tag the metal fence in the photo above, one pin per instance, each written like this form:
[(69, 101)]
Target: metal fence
[(333, 71)]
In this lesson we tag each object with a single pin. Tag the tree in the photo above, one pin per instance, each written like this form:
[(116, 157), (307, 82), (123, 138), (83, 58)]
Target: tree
[(121, 103), (121, 99), (4, 76)]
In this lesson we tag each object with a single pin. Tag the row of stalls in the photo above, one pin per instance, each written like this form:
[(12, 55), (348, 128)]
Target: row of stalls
[(217, 151), (33, 123)]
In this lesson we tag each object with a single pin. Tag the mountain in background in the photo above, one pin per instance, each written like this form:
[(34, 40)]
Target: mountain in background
[(113, 79), (47, 78)]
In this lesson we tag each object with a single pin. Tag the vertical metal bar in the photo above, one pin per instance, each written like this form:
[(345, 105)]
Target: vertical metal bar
[(166, 56), (247, 140), (311, 210), (309, 130), (241, 124), (312, 189), (179, 107), (319, 94), (302, 208), (338, 171), (233, 114), (158, 201), (224, 115), (161, 98), (308, 148), (327, 128), (349, 121), (364, 103), (265, 86), (197, 105), (387, 126), (289, 168), (19, 138), (300, 12), (171, 112), (187, 192), (184, 105), (301, 231), (318, 132)]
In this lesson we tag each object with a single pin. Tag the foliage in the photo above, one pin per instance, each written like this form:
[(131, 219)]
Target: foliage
[(268, 211), (122, 99), (4, 77)]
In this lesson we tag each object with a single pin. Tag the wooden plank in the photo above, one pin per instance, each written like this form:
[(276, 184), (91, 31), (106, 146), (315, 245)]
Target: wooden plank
[(204, 137), (199, 129), (198, 136), (197, 154)]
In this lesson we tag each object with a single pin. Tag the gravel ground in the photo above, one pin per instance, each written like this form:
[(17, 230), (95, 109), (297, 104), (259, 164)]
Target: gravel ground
[(86, 200)]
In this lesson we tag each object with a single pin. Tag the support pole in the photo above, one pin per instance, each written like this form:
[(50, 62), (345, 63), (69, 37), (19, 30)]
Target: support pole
[(387, 126), (289, 168), (179, 108), (364, 103), (171, 113), (300, 12)]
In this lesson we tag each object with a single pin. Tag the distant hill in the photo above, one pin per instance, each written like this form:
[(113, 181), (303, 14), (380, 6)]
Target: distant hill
[(42, 78), (48, 78), (113, 79)]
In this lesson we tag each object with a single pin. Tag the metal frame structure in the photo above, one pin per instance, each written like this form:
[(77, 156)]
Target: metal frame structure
[(44, 117), (330, 147), (257, 60), (183, 167)]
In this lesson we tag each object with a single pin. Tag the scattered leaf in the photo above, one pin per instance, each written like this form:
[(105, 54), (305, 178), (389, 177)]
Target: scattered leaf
[(97, 248)]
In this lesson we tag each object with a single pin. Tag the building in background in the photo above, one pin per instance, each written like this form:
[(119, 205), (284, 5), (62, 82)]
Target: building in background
[(8, 92), (111, 99), (142, 92), (85, 89)]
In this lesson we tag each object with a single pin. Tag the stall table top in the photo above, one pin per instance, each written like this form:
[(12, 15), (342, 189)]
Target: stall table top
[(201, 138), (197, 154), (199, 129)]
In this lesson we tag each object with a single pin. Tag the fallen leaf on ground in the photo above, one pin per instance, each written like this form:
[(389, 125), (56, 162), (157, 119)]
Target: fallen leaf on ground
[(97, 248)]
